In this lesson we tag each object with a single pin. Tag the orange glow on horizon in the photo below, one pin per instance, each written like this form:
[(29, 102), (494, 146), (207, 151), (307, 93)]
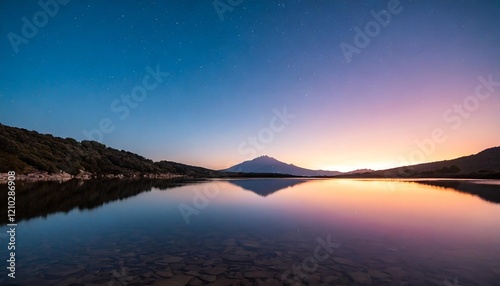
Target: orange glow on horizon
[(366, 200)]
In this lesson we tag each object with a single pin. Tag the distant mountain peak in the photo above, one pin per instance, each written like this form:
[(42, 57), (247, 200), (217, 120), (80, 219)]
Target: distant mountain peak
[(267, 164), (263, 157)]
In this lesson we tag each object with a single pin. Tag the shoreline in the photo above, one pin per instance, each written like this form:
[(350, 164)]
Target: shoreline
[(63, 176)]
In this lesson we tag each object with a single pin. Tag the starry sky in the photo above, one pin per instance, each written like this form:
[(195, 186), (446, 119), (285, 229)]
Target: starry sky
[(214, 83)]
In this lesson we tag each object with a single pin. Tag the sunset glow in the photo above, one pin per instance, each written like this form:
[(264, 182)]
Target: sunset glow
[(227, 87), (233, 142)]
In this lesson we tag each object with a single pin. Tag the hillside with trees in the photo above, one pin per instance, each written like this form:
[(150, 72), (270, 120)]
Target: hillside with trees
[(26, 151)]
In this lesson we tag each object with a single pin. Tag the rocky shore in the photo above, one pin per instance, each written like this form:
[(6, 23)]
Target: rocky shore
[(63, 176)]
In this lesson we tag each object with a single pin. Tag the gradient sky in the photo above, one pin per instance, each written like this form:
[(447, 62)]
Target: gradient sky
[(229, 71)]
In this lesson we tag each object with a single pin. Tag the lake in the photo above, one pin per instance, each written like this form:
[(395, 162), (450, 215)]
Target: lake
[(256, 232)]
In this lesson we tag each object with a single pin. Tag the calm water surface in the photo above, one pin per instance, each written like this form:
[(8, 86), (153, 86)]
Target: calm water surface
[(257, 232)]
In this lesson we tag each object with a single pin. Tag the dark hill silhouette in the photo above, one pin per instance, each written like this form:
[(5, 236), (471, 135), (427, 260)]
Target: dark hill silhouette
[(26, 151), (485, 164)]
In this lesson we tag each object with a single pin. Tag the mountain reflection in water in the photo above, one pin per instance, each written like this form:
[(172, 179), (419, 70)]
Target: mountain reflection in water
[(40, 199), (252, 231)]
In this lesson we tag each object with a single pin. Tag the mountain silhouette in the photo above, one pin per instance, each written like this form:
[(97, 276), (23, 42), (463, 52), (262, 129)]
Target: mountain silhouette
[(265, 187), (266, 164), (29, 152)]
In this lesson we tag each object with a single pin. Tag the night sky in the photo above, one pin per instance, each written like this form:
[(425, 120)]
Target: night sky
[(207, 77)]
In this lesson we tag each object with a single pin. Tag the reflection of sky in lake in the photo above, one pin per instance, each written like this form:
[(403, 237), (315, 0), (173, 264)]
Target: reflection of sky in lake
[(425, 221)]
